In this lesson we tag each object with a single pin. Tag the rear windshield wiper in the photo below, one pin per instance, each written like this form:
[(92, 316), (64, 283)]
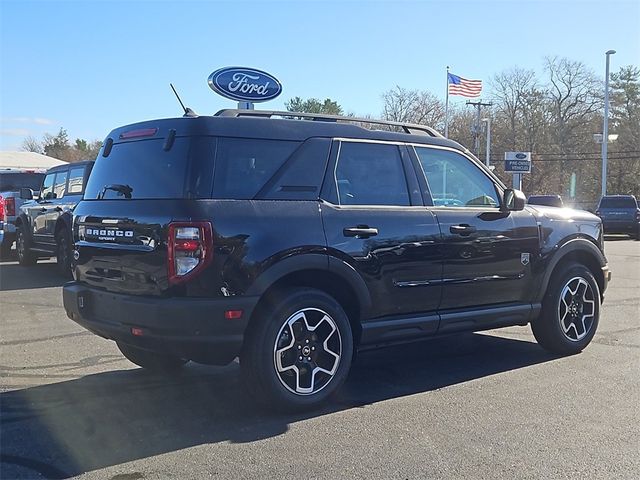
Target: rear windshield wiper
[(116, 187)]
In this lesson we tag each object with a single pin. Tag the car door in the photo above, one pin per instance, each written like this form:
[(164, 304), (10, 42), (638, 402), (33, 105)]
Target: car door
[(375, 221), (38, 210), (488, 252), (55, 207)]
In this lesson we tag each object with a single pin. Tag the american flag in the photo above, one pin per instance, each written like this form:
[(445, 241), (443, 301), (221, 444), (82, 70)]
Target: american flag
[(464, 87)]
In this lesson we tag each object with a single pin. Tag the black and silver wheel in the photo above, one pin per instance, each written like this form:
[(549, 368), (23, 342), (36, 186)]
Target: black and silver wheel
[(26, 257), (298, 351), (63, 253), (154, 361), (570, 311)]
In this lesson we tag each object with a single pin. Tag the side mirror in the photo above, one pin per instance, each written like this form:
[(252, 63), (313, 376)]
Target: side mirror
[(513, 200), (26, 193)]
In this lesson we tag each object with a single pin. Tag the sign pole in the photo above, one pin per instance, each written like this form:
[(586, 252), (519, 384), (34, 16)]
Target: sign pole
[(517, 181)]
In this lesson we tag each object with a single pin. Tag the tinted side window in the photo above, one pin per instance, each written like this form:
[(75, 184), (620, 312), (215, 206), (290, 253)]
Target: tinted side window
[(370, 174), (60, 184), (47, 187), (454, 181), (243, 166), (301, 176), (76, 175)]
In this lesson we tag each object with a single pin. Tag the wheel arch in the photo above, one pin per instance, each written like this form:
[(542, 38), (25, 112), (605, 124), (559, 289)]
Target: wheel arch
[(579, 251), (330, 275), (64, 221)]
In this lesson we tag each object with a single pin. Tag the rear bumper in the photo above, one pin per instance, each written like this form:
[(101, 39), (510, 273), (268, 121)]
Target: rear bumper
[(620, 226), (193, 328)]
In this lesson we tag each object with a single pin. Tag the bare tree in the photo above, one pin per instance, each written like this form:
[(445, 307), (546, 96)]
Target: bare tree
[(510, 91), (574, 93), (32, 144), (412, 106)]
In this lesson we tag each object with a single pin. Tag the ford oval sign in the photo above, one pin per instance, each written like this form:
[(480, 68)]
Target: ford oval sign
[(521, 156), (245, 84)]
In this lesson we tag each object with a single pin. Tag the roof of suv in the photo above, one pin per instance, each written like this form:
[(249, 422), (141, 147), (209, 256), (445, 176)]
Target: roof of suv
[(228, 125), (70, 165)]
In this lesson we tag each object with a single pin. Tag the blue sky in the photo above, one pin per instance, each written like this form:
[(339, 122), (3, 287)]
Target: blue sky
[(91, 66)]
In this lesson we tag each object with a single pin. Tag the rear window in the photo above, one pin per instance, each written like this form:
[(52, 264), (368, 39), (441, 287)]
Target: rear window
[(618, 202), (144, 170), (13, 182), (243, 166)]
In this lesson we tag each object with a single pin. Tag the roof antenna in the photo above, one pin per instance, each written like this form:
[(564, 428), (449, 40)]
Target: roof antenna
[(187, 111)]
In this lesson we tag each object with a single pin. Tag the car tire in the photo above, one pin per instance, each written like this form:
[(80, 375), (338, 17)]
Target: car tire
[(297, 350), (153, 361), (63, 253), (26, 257), (5, 250), (570, 311)]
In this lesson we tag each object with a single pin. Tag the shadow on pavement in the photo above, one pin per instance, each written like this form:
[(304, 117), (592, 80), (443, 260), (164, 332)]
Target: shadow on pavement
[(41, 275), (64, 429)]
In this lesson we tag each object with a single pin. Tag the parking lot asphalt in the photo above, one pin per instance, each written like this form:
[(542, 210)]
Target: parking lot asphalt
[(484, 405)]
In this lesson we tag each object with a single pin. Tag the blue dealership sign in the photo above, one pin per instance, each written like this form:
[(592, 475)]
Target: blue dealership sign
[(245, 84)]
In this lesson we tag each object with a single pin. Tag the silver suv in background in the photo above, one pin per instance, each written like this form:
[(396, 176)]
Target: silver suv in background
[(12, 180)]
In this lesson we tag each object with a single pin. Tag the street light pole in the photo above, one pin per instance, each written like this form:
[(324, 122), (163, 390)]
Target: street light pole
[(605, 126), (488, 152)]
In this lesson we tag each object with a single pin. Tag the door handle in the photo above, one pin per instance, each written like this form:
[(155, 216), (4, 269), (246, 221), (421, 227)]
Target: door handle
[(43, 210), (462, 229), (58, 209), (360, 231)]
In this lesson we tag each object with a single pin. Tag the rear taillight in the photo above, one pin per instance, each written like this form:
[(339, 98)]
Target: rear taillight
[(189, 249), (2, 209), (10, 206), (638, 216)]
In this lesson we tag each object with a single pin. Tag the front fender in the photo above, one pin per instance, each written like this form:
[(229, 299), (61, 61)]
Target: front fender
[(578, 248)]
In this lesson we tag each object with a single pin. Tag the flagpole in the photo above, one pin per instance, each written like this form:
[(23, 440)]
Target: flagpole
[(446, 108)]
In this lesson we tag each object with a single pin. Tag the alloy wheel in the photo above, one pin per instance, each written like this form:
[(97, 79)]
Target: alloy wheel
[(307, 351), (576, 309), (20, 246)]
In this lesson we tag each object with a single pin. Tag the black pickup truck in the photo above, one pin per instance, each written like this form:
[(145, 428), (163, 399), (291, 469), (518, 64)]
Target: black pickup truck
[(43, 228), (294, 242)]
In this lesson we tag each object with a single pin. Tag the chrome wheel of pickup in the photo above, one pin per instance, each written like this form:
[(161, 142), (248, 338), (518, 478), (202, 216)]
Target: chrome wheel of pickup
[(307, 351)]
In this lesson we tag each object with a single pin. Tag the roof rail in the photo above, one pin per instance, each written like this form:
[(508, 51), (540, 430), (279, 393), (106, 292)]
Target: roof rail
[(411, 128)]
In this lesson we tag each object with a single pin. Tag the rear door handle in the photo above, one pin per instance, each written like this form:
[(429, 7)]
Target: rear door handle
[(462, 229), (43, 210), (360, 231)]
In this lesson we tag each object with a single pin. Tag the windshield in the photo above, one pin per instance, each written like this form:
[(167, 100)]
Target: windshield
[(12, 182), (619, 202), (144, 170)]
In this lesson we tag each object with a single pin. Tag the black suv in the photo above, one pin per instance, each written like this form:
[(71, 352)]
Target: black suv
[(294, 242), (620, 214), (548, 200), (43, 228)]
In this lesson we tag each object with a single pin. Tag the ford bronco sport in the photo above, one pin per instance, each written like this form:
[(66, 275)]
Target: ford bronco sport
[(294, 242)]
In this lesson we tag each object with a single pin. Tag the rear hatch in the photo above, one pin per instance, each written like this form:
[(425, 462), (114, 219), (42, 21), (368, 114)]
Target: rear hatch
[(617, 209), (146, 178)]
